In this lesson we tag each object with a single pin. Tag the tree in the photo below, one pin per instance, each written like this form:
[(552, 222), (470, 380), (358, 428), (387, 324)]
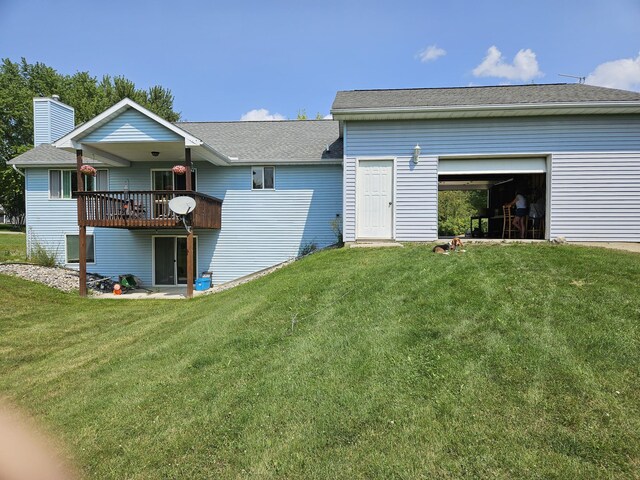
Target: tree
[(455, 207), (21, 81), (302, 115)]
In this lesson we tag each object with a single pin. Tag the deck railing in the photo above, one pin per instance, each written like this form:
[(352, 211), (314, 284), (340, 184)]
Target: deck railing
[(145, 209)]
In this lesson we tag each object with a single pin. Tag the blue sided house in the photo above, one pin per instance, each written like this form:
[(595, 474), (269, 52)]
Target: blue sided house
[(265, 190)]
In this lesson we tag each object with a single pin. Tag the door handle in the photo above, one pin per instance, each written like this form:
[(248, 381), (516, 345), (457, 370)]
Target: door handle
[(390, 203)]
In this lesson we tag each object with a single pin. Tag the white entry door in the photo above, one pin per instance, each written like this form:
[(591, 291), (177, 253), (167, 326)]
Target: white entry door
[(375, 199)]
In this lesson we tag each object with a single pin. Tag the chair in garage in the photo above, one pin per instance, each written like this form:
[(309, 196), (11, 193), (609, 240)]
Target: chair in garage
[(536, 227), (507, 223), (536, 216)]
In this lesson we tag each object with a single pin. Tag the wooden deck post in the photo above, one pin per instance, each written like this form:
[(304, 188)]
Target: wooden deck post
[(190, 273), (187, 164), (82, 237)]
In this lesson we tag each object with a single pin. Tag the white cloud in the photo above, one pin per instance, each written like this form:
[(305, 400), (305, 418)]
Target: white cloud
[(328, 117), (431, 53), (260, 114), (524, 67), (623, 73)]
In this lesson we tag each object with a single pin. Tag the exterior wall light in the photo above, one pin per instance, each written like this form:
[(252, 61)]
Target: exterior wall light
[(416, 153)]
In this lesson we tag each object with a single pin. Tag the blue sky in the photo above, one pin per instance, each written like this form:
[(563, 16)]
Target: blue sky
[(223, 60)]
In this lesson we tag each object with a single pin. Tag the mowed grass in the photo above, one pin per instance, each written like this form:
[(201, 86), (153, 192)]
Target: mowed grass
[(518, 361), (13, 247)]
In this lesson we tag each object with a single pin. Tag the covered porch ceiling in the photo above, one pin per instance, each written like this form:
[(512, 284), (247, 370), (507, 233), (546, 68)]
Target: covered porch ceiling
[(123, 154), (128, 132)]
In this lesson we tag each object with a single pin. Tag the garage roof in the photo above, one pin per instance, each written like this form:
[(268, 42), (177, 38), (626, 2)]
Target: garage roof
[(561, 93)]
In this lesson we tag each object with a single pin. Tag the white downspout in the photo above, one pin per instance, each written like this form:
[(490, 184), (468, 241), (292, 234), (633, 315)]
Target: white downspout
[(16, 169)]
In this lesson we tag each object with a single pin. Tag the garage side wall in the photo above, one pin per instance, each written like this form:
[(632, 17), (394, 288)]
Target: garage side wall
[(415, 194), (595, 196), (560, 136), (349, 204), (416, 199)]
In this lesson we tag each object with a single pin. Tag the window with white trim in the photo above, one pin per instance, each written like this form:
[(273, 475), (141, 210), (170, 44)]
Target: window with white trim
[(167, 180), (73, 249), (62, 183), (263, 178)]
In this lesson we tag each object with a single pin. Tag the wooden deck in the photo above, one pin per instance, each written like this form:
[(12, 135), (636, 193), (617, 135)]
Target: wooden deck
[(138, 209)]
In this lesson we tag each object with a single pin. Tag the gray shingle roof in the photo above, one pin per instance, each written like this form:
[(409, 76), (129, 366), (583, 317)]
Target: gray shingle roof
[(287, 140), (472, 96), (44, 154), (271, 141)]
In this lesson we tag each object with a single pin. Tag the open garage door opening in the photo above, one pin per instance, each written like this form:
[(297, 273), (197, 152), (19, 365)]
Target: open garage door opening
[(473, 192)]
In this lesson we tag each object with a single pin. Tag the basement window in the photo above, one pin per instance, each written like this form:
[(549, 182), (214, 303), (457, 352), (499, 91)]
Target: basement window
[(263, 178), (73, 249), (62, 183)]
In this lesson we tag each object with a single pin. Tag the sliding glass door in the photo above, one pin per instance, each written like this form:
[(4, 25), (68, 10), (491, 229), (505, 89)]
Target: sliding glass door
[(170, 260)]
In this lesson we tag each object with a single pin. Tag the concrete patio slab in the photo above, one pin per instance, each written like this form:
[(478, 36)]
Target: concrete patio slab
[(156, 293), (626, 246)]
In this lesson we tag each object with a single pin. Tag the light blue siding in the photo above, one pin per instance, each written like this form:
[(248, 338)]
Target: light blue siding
[(499, 135), (259, 228), (416, 189), (47, 220), (349, 203), (263, 228), (595, 196), (131, 126), (41, 123), (416, 199), (51, 120)]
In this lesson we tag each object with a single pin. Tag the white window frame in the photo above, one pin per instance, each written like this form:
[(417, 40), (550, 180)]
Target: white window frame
[(262, 167), (152, 170), (66, 249), (74, 172)]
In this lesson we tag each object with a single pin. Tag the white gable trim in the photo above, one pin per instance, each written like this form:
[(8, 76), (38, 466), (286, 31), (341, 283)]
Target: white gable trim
[(73, 139)]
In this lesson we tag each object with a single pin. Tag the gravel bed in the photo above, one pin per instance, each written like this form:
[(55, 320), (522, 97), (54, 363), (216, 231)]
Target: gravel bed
[(61, 278)]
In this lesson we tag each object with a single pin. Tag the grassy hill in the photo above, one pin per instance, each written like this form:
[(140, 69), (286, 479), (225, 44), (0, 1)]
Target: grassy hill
[(518, 361)]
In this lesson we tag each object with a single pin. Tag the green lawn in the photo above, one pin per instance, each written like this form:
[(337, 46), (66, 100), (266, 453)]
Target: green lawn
[(12, 247), (518, 361)]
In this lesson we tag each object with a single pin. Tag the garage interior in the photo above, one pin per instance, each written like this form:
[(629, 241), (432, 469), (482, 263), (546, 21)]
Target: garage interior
[(500, 186)]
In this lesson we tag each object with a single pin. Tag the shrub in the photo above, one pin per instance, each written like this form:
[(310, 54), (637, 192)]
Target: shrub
[(308, 248), (336, 228), (40, 255)]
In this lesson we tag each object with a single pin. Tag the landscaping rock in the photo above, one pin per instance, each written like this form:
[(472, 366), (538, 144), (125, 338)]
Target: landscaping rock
[(61, 278)]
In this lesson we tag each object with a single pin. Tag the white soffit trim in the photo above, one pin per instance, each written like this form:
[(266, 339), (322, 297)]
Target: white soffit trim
[(470, 111), (479, 166), (73, 138), (275, 161), (213, 155)]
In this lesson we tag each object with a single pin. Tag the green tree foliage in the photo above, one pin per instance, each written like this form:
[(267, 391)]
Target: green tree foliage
[(302, 115), (21, 81), (456, 207)]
